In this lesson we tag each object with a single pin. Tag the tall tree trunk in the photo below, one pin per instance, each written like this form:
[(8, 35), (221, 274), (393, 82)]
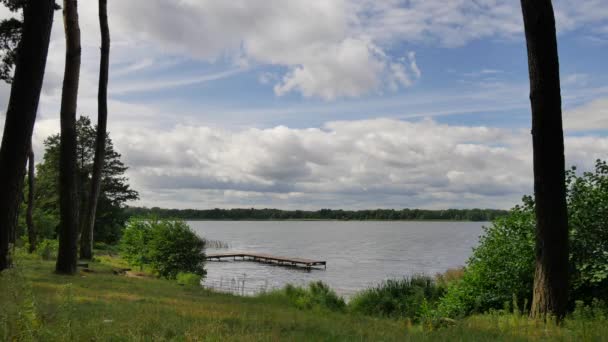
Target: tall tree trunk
[(21, 115), (68, 184), (86, 242), (31, 230), (550, 294)]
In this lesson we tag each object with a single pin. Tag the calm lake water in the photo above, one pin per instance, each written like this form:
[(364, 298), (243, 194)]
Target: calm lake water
[(358, 254)]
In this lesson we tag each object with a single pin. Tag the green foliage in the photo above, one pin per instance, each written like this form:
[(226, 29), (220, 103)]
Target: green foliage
[(174, 247), (106, 248), (47, 249), (115, 190), (167, 246), (412, 298), (316, 296), (10, 35), (597, 309), (134, 243), (188, 279), (323, 214), (502, 266), (588, 220)]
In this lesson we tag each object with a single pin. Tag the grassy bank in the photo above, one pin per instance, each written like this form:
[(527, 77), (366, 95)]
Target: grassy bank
[(99, 305)]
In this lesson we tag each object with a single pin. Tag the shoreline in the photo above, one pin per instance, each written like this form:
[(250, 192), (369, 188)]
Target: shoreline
[(322, 220)]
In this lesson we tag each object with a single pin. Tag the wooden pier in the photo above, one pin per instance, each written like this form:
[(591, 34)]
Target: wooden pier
[(270, 259)]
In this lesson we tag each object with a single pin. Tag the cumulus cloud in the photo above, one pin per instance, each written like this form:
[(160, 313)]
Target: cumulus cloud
[(351, 68), (326, 49), (367, 163), (592, 116), (318, 42), (457, 22), (329, 48), (323, 49)]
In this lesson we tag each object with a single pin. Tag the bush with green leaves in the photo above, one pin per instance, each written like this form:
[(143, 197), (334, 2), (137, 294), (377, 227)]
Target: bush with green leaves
[(135, 240), (168, 247), (47, 249), (188, 279), (588, 221), (317, 295), (400, 298), (502, 266)]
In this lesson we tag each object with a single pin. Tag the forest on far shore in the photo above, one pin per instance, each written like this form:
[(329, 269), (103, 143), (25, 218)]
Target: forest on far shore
[(323, 214)]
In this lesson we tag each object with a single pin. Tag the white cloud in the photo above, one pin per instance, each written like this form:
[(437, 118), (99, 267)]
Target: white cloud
[(413, 65), (592, 116), (351, 68), (575, 79), (326, 49), (145, 86), (368, 163), (318, 42)]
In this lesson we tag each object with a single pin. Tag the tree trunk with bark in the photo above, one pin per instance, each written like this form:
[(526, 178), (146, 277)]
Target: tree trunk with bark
[(86, 245), (31, 230), (21, 115), (550, 293), (68, 184)]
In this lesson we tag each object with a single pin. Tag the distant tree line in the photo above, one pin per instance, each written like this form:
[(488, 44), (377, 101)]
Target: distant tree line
[(323, 214)]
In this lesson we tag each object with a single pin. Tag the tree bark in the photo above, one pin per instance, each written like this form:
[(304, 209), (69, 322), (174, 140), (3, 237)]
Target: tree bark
[(550, 293), (68, 185), (86, 246), (31, 230), (21, 115)]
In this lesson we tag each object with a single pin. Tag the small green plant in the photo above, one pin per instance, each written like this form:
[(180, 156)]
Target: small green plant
[(450, 276), (410, 298), (47, 249), (317, 295), (106, 248), (189, 279), (596, 310)]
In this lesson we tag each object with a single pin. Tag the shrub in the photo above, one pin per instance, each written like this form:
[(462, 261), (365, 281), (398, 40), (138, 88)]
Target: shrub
[(47, 249), (134, 244), (502, 266), (318, 295), (105, 248), (167, 246), (189, 279), (595, 310), (400, 298), (448, 277), (588, 220)]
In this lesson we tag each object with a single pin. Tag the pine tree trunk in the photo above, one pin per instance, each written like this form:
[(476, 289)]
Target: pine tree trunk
[(21, 115), (86, 246), (550, 293), (68, 190), (31, 230)]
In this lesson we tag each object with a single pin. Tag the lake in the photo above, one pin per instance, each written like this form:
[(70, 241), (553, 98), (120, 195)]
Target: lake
[(359, 254)]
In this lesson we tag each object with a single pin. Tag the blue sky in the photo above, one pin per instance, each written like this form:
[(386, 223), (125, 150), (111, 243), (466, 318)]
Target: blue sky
[(341, 104)]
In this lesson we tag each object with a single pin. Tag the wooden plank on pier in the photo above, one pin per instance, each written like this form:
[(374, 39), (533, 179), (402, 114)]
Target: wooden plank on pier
[(268, 258)]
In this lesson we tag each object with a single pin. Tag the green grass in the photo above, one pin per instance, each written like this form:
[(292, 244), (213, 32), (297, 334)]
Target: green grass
[(37, 304)]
